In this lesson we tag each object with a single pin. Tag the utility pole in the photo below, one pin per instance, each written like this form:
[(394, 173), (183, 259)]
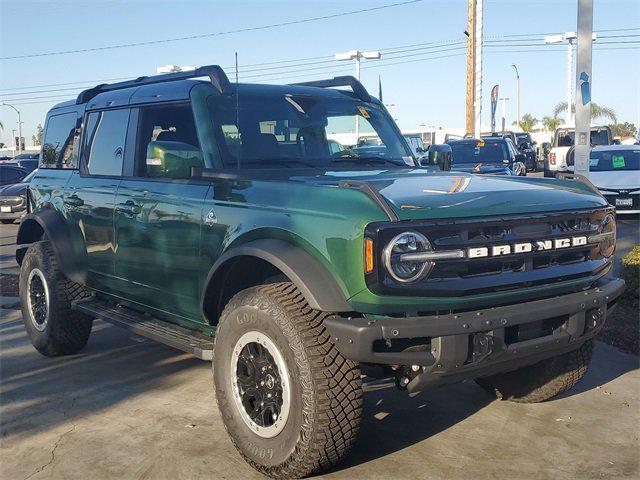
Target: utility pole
[(357, 55), (13, 143), (471, 66), (19, 127), (478, 69), (583, 87), (517, 97)]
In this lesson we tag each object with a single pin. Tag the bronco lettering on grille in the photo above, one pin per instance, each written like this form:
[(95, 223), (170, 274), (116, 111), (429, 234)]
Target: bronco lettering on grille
[(525, 247)]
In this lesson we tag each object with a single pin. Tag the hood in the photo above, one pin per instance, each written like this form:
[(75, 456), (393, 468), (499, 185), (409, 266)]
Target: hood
[(14, 189), (616, 179), (415, 194)]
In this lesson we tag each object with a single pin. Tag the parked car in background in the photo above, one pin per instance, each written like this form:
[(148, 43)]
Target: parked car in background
[(562, 149), (28, 161), (527, 146), (13, 200), (492, 155), (615, 170), (11, 173)]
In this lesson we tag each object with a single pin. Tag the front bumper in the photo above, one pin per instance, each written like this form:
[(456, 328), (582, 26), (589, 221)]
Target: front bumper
[(476, 343)]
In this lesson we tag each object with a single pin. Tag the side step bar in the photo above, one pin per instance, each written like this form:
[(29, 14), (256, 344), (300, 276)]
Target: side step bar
[(196, 343)]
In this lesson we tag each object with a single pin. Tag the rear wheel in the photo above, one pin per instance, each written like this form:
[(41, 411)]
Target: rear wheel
[(542, 381), (289, 401), (46, 295)]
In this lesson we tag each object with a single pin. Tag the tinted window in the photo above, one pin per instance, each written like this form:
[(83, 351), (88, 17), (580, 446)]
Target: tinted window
[(483, 151), (167, 143), (105, 141), (60, 147)]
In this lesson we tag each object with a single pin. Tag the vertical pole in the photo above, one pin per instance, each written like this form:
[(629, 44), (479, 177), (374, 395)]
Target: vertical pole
[(478, 68), (19, 133), (570, 80), (583, 87), (471, 65), (357, 116), (518, 101), (13, 142)]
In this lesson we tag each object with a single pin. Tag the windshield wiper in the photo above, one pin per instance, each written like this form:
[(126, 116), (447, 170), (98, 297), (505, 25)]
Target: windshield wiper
[(278, 161), (369, 159)]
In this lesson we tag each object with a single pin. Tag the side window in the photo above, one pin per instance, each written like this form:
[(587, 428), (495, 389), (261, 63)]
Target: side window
[(167, 142), (60, 146), (105, 137), (11, 175)]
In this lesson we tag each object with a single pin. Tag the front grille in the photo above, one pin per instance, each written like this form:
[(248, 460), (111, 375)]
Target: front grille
[(462, 277), (11, 201)]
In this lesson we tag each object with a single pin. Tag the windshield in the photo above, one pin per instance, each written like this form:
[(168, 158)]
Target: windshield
[(523, 137), (479, 152), (566, 138), (318, 131), (612, 160)]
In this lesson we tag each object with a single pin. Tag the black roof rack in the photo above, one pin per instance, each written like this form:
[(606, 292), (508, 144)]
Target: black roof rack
[(215, 73), (343, 81)]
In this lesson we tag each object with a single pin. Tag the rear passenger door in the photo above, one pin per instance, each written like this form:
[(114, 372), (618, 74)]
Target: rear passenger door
[(89, 198), (158, 214)]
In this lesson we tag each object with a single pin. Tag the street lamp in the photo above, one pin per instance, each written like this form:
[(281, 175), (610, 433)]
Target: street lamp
[(517, 96), (357, 55), (19, 127), (569, 37)]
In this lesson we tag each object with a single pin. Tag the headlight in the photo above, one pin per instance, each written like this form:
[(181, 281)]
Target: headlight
[(607, 236), (401, 268)]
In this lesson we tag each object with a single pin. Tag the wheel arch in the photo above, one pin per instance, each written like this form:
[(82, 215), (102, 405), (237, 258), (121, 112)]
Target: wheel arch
[(275, 257), (68, 246)]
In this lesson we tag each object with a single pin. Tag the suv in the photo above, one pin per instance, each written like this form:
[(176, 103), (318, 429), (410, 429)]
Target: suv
[(213, 217), (490, 155), (561, 156)]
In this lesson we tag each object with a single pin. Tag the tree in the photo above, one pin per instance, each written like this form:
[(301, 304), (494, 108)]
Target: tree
[(37, 138), (597, 111), (550, 124), (622, 130), (527, 123)]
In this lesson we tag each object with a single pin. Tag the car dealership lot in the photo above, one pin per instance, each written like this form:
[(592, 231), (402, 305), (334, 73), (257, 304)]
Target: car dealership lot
[(130, 408)]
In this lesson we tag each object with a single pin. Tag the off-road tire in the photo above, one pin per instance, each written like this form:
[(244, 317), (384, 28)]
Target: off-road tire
[(326, 389), (66, 332), (542, 381)]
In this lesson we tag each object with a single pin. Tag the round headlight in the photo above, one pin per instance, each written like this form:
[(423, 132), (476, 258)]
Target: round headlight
[(403, 270), (608, 232)]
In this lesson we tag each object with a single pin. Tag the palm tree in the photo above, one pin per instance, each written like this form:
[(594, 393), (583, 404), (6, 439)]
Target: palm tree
[(528, 122), (596, 111), (550, 124)]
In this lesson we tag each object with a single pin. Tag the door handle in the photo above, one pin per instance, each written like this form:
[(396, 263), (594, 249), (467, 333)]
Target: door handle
[(73, 201), (129, 208)]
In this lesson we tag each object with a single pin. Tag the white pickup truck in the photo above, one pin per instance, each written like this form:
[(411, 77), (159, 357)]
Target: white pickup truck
[(561, 156)]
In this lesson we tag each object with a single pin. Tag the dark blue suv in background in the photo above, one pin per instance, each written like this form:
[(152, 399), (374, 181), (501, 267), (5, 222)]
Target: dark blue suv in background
[(490, 155)]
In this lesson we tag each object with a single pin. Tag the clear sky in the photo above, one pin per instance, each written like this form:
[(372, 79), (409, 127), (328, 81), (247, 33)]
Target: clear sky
[(423, 89)]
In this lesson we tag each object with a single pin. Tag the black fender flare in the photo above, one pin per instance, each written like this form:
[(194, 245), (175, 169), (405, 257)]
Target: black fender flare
[(318, 286), (67, 244)]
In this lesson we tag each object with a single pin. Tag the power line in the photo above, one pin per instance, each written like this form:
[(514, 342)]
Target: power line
[(214, 34)]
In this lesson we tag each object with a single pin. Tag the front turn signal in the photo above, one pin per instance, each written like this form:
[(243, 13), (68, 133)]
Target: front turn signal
[(368, 255)]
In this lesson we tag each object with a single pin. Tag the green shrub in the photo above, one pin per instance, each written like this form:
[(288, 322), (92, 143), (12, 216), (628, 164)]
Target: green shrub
[(631, 275)]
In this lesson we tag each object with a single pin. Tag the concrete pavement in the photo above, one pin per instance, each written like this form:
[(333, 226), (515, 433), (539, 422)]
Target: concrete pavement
[(130, 408)]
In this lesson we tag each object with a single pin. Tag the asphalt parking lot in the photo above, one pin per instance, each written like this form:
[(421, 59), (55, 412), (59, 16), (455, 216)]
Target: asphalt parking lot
[(130, 408)]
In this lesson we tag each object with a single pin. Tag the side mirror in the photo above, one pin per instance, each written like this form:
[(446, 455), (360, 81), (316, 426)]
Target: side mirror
[(439, 155), (172, 159)]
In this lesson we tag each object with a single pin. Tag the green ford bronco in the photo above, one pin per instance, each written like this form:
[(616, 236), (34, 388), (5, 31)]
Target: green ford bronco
[(245, 224)]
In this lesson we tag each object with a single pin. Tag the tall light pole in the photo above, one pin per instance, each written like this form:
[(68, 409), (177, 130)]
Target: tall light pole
[(19, 127), (357, 55), (517, 96), (570, 38)]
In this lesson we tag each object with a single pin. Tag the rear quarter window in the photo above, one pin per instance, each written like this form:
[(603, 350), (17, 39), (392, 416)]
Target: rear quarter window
[(61, 142)]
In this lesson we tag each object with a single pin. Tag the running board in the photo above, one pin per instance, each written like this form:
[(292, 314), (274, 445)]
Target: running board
[(189, 341)]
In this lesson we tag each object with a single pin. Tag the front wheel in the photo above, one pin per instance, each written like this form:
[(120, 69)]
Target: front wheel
[(542, 381), (289, 401)]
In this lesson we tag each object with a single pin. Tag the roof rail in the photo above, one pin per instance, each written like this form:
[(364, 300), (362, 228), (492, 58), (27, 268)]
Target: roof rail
[(343, 81), (215, 73)]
